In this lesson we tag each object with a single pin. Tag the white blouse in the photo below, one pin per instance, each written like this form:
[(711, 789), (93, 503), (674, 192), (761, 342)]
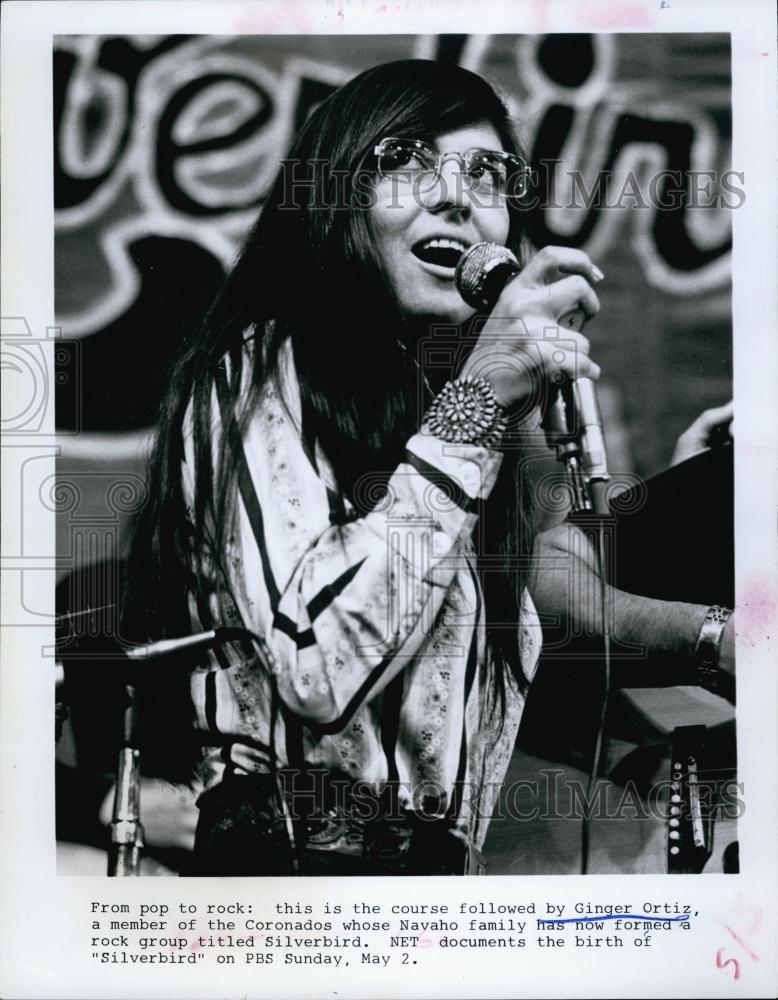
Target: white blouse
[(375, 623)]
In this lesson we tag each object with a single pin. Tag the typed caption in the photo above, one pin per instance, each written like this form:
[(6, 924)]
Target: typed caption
[(346, 934)]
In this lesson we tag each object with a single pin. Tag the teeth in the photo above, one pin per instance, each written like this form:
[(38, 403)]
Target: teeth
[(445, 244)]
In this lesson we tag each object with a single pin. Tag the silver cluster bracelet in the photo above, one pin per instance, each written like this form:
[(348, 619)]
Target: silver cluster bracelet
[(708, 648), (466, 412)]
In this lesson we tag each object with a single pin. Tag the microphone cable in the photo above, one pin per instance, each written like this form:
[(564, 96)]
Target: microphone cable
[(599, 742)]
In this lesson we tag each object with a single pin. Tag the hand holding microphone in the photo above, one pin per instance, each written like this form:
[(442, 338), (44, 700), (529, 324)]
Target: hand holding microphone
[(535, 315), (531, 334)]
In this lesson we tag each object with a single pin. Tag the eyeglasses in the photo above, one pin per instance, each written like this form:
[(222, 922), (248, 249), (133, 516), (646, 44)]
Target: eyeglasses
[(487, 171)]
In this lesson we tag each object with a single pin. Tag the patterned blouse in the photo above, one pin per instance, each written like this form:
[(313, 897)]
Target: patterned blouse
[(375, 623)]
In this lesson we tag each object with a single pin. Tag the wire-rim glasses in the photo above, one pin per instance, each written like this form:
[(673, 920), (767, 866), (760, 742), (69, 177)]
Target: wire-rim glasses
[(485, 171)]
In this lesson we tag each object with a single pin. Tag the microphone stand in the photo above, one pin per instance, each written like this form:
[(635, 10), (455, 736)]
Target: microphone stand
[(126, 828), (573, 426), (127, 835)]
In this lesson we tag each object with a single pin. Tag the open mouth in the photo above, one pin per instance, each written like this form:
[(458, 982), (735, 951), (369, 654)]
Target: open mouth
[(439, 251)]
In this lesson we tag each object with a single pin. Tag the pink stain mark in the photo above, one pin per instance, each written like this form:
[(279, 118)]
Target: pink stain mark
[(258, 21), (741, 942), (254, 22), (606, 15), (431, 939), (743, 905), (756, 608), (195, 945), (539, 13), (746, 908)]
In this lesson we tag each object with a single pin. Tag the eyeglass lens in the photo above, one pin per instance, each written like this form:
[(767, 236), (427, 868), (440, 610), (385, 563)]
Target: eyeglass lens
[(411, 161)]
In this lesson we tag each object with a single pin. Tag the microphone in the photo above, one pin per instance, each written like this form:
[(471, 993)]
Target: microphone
[(573, 423), (483, 271), (196, 643)]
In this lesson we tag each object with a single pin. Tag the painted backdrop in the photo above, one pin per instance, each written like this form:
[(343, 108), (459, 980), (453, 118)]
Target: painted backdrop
[(164, 147)]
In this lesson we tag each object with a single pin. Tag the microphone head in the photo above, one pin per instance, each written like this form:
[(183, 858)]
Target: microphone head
[(482, 273)]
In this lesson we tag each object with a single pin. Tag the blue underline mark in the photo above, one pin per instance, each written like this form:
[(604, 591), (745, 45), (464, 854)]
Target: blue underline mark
[(592, 918)]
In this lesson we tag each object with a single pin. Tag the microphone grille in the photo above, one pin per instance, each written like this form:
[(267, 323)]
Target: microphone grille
[(482, 273)]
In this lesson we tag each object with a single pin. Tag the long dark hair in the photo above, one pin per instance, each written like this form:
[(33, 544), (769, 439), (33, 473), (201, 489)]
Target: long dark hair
[(309, 272)]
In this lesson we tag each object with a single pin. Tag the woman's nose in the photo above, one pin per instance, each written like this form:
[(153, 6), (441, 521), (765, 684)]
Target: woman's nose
[(449, 190)]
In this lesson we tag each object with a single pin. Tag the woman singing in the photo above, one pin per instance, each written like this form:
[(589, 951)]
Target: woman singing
[(329, 481)]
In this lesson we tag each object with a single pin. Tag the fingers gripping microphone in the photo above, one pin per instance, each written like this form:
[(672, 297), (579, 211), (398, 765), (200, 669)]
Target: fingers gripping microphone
[(573, 422)]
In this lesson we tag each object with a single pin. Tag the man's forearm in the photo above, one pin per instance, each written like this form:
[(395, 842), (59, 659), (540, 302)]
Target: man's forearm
[(567, 591)]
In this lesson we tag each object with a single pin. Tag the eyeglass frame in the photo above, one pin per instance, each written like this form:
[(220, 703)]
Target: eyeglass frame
[(522, 167)]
